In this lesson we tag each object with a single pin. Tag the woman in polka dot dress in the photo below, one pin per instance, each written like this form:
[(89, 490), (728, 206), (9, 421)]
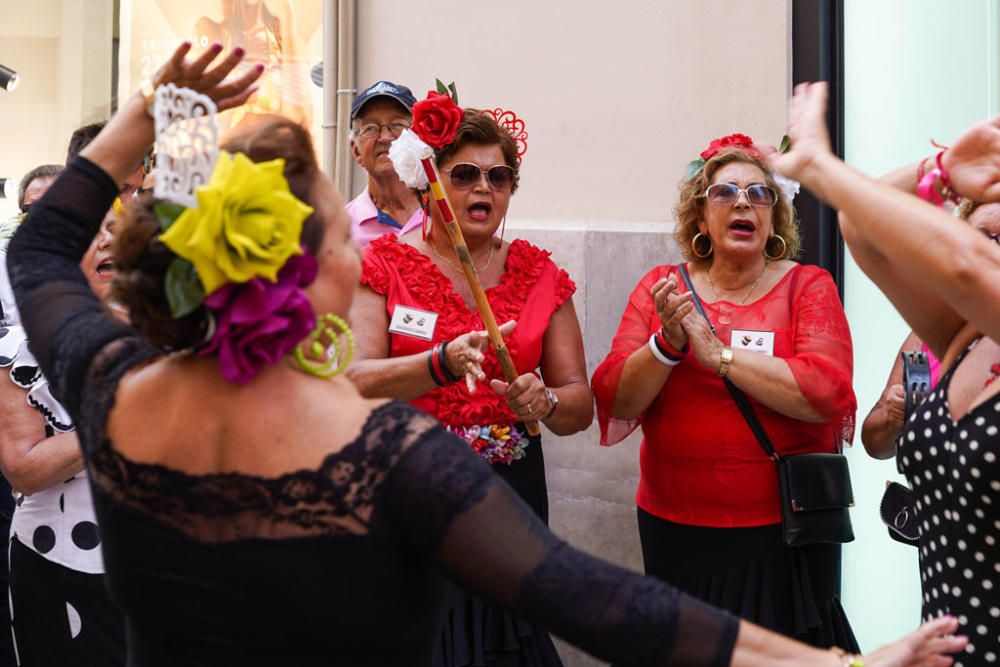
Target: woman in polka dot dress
[(944, 278), (61, 613)]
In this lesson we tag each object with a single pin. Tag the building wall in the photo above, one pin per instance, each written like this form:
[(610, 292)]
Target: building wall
[(915, 69), (62, 50)]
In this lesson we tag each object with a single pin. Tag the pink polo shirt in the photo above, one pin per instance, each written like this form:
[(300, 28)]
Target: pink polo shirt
[(369, 223)]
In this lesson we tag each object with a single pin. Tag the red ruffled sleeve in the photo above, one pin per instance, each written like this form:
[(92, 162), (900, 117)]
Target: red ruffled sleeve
[(633, 332), (823, 364), (373, 269)]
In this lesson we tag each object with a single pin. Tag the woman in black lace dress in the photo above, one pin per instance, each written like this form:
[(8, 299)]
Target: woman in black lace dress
[(944, 278), (284, 519)]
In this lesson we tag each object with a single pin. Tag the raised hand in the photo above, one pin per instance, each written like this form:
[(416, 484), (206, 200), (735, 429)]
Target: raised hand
[(806, 130), (212, 83), (973, 162)]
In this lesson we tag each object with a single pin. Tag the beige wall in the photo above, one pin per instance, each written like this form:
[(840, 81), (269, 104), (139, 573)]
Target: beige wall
[(617, 98), (62, 50)]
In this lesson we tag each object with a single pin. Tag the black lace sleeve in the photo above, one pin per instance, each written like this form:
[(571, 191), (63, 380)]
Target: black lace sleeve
[(448, 503), (65, 322)]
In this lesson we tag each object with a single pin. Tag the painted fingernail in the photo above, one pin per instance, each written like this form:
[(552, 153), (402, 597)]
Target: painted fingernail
[(186, 43), (259, 67), (239, 50), (217, 46)]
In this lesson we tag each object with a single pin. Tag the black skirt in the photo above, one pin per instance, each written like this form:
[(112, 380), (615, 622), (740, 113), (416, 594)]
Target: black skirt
[(753, 574), (477, 633)]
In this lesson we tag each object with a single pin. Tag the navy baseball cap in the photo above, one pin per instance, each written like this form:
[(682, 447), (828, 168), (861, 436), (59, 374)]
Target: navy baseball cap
[(395, 91)]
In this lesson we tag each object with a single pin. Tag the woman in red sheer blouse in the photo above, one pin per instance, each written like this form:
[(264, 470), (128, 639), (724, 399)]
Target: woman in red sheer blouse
[(420, 338), (708, 502)]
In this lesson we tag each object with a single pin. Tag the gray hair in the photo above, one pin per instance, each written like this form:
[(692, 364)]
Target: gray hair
[(43, 171)]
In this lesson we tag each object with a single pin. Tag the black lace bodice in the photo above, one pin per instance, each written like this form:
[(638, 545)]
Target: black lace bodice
[(338, 565)]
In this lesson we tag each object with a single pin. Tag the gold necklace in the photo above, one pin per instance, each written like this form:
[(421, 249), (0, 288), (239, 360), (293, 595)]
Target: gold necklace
[(745, 296), (457, 269)]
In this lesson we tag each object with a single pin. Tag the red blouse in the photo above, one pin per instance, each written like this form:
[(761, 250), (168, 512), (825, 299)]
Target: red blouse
[(700, 463), (530, 290)]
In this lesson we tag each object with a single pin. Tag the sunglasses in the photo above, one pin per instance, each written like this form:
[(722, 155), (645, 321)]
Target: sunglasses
[(465, 175), (728, 193)]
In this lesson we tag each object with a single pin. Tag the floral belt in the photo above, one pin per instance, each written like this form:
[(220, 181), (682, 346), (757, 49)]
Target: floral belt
[(494, 443)]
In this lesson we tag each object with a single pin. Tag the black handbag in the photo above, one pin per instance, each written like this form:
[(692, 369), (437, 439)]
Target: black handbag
[(816, 491), (898, 509)]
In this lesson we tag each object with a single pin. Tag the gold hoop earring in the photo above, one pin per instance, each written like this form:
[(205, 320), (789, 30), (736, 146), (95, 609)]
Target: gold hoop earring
[(784, 249), (329, 352), (694, 246)]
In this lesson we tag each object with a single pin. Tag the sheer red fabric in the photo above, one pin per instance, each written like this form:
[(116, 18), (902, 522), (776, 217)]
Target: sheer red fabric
[(530, 290), (700, 463)]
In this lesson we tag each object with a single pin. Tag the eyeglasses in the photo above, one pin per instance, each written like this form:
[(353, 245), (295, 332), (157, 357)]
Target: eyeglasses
[(373, 130), (728, 193), (465, 175)]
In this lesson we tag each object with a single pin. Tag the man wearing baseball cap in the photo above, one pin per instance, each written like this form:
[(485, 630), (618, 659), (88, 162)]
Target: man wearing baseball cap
[(386, 206)]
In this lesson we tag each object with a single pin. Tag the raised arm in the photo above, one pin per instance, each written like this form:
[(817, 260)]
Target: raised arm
[(450, 505), (65, 322), (956, 263)]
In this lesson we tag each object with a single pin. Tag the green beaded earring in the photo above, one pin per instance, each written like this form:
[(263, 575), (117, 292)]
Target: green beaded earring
[(330, 352)]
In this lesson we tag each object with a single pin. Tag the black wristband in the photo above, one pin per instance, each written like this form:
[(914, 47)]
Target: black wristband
[(663, 350), (449, 377), (438, 380)]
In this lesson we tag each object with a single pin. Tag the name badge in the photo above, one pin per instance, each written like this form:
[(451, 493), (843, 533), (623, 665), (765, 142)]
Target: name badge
[(753, 341), (413, 322)]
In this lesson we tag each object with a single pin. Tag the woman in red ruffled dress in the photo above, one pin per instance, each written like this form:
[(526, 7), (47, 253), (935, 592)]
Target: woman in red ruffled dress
[(708, 501), (420, 337)]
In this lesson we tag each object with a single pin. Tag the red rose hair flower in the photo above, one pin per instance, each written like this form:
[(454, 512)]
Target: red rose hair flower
[(740, 141), (436, 119)]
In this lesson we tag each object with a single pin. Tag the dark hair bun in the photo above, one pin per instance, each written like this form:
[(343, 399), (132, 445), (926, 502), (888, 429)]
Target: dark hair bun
[(141, 263)]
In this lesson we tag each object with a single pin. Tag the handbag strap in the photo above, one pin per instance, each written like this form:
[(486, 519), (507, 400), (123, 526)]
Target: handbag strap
[(739, 397)]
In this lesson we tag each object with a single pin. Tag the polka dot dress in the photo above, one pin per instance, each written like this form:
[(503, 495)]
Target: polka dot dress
[(955, 475)]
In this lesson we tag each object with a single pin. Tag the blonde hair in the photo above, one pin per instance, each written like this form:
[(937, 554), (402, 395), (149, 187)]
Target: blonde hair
[(691, 205)]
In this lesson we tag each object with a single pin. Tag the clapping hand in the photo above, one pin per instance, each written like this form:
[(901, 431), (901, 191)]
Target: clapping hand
[(671, 308), (706, 346)]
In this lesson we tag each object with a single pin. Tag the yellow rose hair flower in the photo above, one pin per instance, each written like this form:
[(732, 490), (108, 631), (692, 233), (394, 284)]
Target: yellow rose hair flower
[(247, 223)]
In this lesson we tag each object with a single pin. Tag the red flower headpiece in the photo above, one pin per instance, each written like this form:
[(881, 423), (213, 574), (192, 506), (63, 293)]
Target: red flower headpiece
[(437, 117), (737, 140)]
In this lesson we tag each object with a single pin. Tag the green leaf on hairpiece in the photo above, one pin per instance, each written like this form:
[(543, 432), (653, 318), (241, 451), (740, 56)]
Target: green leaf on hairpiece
[(785, 145), (441, 88), (184, 290), (454, 92), (693, 169), (166, 213)]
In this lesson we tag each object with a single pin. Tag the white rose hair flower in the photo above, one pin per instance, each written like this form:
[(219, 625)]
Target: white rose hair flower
[(788, 187), (406, 152)]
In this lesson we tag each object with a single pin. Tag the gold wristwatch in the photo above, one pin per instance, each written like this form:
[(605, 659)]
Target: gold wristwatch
[(725, 359)]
